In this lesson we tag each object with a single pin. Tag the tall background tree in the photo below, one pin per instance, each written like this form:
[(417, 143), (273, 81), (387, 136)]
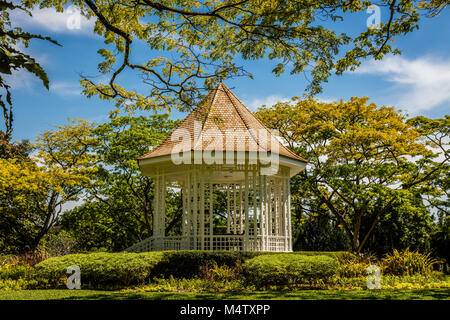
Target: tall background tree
[(34, 190), (369, 170), (436, 168), (118, 209)]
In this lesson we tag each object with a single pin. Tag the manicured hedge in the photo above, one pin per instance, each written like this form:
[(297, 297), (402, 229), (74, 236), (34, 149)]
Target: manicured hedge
[(116, 270), (187, 264), (333, 254), (101, 269), (287, 269)]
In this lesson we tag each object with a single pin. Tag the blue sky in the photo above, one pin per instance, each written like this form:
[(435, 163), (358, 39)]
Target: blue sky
[(417, 82)]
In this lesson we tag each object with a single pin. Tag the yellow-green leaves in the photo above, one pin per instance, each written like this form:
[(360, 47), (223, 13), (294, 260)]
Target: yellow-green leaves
[(366, 162), (194, 44)]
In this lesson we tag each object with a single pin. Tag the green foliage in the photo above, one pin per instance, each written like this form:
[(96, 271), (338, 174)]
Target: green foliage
[(189, 264), (32, 191), (317, 233), (288, 269), (197, 285), (59, 243), (390, 282), (222, 271), (354, 266), (95, 224), (9, 149), (403, 227), (440, 239), (397, 263), (332, 254), (199, 42), (109, 270), (100, 270), (15, 271), (16, 275), (361, 174), (218, 273), (119, 206), (408, 263)]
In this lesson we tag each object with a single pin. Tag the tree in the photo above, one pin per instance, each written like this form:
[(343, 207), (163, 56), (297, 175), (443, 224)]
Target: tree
[(199, 42), (361, 168), (32, 192), (436, 167), (10, 149), (120, 202), (12, 58)]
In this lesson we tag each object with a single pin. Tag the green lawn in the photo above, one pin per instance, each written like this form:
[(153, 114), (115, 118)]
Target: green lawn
[(425, 294)]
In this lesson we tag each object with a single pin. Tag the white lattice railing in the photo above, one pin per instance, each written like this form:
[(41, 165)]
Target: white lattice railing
[(142, 246), (215, 243)]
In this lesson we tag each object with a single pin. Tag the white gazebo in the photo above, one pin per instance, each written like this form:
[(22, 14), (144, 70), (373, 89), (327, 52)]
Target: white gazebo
[(222, 147)]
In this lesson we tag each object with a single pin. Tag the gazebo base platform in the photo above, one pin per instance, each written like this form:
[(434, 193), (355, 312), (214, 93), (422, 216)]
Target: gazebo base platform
[(214, 243)]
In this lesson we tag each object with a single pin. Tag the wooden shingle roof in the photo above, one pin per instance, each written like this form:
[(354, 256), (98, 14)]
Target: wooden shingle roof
[(220, 112)]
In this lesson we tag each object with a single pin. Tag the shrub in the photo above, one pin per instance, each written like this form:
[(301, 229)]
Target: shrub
[(100, 270), (286, 269), (220, 273), (59, 244), (16, 275), (353, 266), (16, 271), (333, 254), (408, 263), (30, 258), (118, 270), (172, 284), (189, 264)]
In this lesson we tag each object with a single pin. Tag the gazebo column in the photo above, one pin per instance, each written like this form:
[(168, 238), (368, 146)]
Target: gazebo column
[(254, 221), (246, 219), (286, 212), (228, 209), (201, 214), (241, 209), (263, 211), (195, 210), (289, 234), (159, 218), (269, 208), (211, 215), (234, 220), (280, 232), (186, 193)]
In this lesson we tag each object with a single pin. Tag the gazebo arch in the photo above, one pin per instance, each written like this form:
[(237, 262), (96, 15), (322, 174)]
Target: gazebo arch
[(221, 146)]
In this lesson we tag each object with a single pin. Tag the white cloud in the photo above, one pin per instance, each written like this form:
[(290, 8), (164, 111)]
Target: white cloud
[(26, 81), (269, 101), (21, 79), (69, 21), (63, 88), (421, 84)]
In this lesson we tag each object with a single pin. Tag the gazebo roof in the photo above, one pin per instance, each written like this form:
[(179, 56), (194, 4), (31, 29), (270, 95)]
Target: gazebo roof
[(222, 111)]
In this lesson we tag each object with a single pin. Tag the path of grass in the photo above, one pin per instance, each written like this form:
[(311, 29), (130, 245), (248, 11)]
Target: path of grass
[(426, 294)]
